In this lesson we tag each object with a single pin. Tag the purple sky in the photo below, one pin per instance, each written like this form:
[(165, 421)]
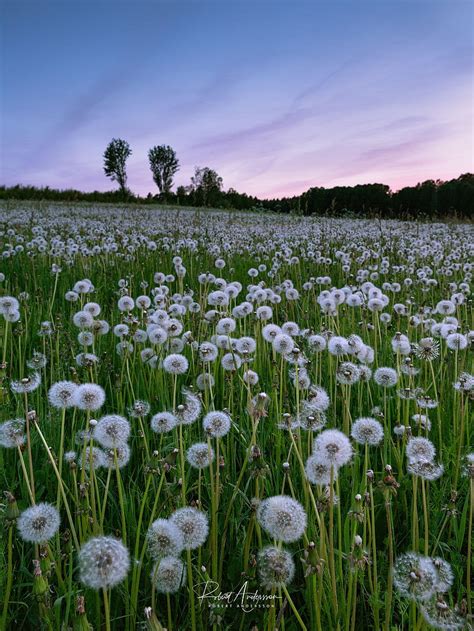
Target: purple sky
[(277, 96)]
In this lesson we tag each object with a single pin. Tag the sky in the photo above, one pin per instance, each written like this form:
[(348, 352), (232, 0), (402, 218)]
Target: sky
[(275, 95)]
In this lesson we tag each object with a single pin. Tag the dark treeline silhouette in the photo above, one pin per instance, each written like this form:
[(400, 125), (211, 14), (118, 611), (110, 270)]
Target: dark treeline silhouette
[(430, 199)]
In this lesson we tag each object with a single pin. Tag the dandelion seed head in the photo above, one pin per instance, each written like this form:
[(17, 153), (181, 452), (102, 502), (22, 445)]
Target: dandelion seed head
[(164, 539), (112, 431), (39, 523), (282, 517), (414, 576), (200, 455), (168, 575), (89, 396), (367, 431), (194, 526), (103, 562), (275, 567), (333, 448), (217, 424)]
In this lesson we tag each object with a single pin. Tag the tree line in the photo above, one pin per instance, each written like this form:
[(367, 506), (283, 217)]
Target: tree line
[(429, 199)]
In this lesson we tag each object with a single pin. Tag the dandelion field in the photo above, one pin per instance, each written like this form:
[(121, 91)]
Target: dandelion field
[(216, 420)]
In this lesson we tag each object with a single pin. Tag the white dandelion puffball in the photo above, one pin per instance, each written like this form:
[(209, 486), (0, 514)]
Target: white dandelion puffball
[(216, 424), (386, 377), (61, 394), (318, 472), (367, 431), (12, 433), (111, 431), (333, 448), (103, 562), (175, 364), (89, 396), (164, 539), (282, 517), (419, 448), (200, 455), (414, 576), (275, 567), (39, 523), (163, 422), (194, 526), (168, 575)]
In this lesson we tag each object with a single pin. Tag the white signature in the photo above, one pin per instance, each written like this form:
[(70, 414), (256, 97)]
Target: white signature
[(242, 598)]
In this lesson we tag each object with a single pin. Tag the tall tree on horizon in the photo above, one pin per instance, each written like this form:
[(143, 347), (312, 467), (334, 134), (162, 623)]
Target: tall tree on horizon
[(207, 186), (115, 158), (164, 165)]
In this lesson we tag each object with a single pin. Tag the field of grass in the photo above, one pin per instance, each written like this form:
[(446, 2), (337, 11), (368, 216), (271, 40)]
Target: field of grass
[(304, 386)]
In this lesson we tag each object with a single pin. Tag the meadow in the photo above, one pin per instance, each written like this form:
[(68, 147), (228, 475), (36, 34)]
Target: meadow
[(222, 420)]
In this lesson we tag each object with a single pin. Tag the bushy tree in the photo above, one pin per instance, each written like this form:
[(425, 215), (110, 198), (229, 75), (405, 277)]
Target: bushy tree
[(163, 164), (207, 186), (115, 158)]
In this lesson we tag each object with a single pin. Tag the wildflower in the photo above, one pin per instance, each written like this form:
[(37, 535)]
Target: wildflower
[(168, 575), (194, 526), (318, 399), (39, 523), (439, 615), (420, 448), (367, 431), (231, 362), (422, 421), (164, 539), (282, 517), (139, 409), (83, 319), (26, 385), (189, 411), (175, 364), (317, 472), (275, 567), (12, 433), (250, 377), (270, 332), (456, 341), (103, 562), (163, 422), (426, 469), (427, 349), (317, 343), (204, 381), (112, 431), (37, 362), (216, 424), (118, 456), (465, 383), (333, 448), (208, 352), (347, 373), (61, 394), (283, 343), (93, 458), (385, 377), (126, 303), (414, 576), (200, 455), (338, 346), (89, 396)]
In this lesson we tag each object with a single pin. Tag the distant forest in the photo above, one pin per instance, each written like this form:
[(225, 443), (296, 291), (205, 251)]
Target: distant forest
[(429, 199)]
